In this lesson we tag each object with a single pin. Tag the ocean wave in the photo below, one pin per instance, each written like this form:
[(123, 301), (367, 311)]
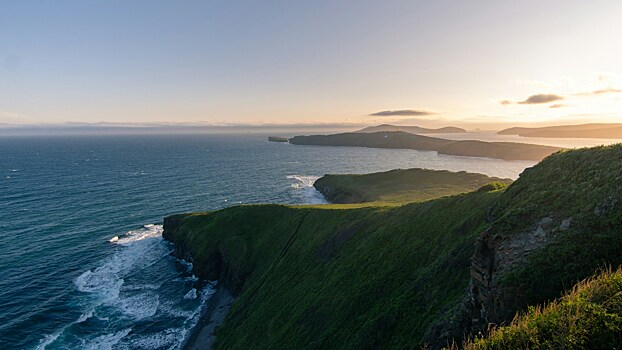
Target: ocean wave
[(148, 231), (121, 292), (302, 181), (106, 341), (303, 187)]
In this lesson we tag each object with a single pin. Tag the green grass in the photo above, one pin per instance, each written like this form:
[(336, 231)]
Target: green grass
[(348, 277), (588, 317), (377, 275), (570, 185), (403, 185)]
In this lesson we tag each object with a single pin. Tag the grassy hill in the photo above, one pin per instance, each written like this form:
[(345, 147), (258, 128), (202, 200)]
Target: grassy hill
[(404, 140), (333, 277), (412, 129), (401, 185), (378, 275)]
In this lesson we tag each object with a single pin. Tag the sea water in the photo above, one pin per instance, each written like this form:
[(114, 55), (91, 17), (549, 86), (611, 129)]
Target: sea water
[(82, 261)]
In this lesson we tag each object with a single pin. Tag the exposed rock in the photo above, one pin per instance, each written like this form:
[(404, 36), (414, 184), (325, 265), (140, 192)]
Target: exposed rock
[(565, 225)]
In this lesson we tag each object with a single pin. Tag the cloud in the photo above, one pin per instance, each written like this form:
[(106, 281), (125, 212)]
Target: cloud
[(600, 92), (541, 98), (535, 99), (558, 105), (403, 113)]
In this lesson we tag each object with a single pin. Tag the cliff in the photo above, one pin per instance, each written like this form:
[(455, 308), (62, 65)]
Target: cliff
[(556, 225), (401, 185), (404, 275), (403, 140), (333, 276), (587, 317)]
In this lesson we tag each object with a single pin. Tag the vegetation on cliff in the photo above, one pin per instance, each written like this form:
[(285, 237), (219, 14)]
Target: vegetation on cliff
[(402, 185), (403, 140), (334, 276), (588, 317), (395, 275)]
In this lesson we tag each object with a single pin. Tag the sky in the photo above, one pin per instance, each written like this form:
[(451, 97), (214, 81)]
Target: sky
[(475, 63)]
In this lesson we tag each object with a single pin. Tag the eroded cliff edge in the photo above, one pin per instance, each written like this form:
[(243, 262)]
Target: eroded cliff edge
[(406, 275), (556, 225)]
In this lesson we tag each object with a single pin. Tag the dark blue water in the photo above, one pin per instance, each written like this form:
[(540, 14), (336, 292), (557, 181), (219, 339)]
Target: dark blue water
[(67, 282)]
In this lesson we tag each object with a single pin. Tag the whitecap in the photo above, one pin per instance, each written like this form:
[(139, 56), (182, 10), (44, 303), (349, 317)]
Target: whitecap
[(107, 341), (192, 294), (48, 339), (304, 185), (85, 316), (139, 306), (302, 181)]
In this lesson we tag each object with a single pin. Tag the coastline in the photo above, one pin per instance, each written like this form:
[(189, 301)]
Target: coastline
[(202, 336)]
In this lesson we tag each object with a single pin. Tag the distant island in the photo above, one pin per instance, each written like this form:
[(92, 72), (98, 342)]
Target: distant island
[(404, 140), (277, 139), (412, 129), (594, 131)]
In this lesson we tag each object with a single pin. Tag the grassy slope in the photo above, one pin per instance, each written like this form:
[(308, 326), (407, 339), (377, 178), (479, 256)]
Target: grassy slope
[(401, 186), (365, 276), (584, 185), (327, 276), (588, 317), (403, 140)]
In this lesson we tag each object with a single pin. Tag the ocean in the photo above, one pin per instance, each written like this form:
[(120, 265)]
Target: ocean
[(82, 259)]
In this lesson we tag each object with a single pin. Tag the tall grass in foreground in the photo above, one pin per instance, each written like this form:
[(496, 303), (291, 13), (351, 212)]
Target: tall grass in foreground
[(588, 317)]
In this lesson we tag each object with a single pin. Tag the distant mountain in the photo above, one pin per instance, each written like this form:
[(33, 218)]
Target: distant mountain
[(412, 129), (595, 131), (404, 140)]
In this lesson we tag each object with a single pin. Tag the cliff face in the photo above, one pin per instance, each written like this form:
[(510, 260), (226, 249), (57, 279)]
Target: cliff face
[(401, 276), (210, 265), (556, 225)]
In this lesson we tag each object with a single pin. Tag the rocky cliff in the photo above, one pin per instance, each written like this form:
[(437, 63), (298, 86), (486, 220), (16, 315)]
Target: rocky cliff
[(556, 225)]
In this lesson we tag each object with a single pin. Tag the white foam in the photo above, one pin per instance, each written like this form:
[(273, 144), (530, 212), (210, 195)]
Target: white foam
[(139, 306), (85, 316), (148, 231), (141, 287), (169, 338), (49, 339), (308, 193), (192, 294), (106, 341), (303, 181), (119, 305)]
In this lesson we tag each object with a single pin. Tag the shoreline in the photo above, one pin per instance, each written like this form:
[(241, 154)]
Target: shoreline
[(202, 335)]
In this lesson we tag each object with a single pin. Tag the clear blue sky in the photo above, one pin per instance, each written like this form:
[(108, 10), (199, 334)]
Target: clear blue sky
[(250, 62)]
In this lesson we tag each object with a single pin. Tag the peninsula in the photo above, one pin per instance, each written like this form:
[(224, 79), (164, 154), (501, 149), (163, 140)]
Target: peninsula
[(404, 140), (422, 271), (598, 131)]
